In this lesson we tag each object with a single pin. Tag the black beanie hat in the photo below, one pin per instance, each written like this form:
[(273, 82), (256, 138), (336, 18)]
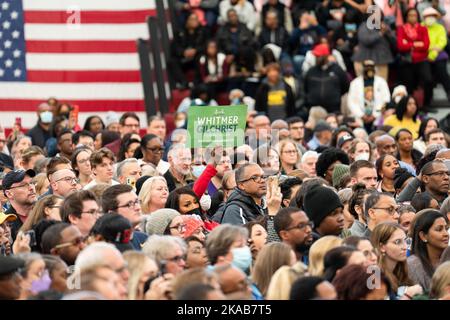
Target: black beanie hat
[(319, 202)]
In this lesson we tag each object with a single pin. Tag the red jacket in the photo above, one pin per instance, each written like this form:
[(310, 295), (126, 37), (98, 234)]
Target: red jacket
[(406, 44)]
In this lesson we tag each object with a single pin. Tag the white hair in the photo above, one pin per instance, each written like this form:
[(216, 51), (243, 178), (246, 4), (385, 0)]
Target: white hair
[(176, 147), (95, 255), (159, 247), (361, 133), (309, 154), (122, 164)]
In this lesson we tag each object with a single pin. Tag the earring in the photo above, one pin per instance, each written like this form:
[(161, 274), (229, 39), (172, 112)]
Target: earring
[(425, 240)]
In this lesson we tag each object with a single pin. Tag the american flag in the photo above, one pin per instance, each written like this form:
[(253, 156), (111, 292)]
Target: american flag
[(80, 51)]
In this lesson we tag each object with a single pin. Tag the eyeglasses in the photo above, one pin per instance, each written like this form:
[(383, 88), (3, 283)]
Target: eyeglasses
[(440, 174), (76, 242), (290, 151), (130, 204), (401, 242), (69, 180), (390, 210), (156, 150), (297, 128), (256, 178), (180, 227), (93, 212), (25, 185), (54, 207), (302, 226)]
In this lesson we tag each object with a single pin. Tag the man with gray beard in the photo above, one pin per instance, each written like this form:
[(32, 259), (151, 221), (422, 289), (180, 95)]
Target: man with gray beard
[(179, 173)]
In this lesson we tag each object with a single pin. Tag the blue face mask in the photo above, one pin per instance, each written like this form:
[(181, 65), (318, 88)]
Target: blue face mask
[(242, 258), (236, 101), (198, 170), (46, 117)]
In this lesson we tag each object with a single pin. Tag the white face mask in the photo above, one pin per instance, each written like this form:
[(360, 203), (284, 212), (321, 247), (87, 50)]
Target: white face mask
[(362, 156), (180, 123), (429, 21), (46, 117)]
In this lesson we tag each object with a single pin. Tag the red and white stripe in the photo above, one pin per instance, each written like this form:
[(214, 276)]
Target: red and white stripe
[(94, 64)]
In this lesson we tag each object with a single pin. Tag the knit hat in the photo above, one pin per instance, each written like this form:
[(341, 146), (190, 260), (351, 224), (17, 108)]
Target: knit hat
[(340, 170), (111, 117), (158, 221), (321, 50), (193, 223), (319, 202), (400, 176)]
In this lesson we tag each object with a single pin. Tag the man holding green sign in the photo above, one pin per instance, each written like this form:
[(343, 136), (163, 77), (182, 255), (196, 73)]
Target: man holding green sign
[(210, 126)]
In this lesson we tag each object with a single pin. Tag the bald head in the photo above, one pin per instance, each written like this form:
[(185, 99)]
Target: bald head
[(280, 124), (386, 145), (44, 107), (261, 122)]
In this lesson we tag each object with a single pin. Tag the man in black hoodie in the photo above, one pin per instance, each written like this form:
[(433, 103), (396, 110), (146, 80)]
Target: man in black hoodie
[(246, 201)]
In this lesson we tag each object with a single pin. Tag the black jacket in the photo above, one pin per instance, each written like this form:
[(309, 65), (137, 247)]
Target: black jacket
[(38, 136), (184, 40), (245, 39), (239, 209), (325, 87), (261, 99), (281, 37)]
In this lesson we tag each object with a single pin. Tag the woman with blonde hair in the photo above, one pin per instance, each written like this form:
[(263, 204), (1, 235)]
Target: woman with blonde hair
[(290, 156), (317, 253), (153, 194), (41, 182), (271, 257), (141, 269), (389, 240), (440, 283), (45, 208), (282, 280), (30, 156)]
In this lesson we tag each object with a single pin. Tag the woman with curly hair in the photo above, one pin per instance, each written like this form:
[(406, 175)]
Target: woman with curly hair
[(328, 160)]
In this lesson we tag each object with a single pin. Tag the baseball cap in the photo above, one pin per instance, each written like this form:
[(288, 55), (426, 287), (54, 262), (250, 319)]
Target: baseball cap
[(9, 265), (321, 50), (116, 230), (430, 11), (16, 176), (343, 140), (6, 217)]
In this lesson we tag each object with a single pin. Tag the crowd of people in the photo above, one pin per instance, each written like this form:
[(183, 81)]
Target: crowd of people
[(339, 191)]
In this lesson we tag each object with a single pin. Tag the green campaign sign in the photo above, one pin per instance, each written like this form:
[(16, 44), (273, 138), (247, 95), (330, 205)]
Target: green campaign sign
[(210, 126)]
